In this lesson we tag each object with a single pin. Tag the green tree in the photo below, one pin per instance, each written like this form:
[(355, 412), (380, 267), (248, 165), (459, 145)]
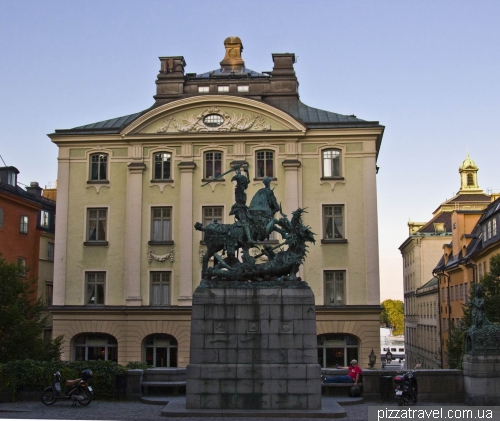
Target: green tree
[(393, 315), (456, 336), (21, 320)]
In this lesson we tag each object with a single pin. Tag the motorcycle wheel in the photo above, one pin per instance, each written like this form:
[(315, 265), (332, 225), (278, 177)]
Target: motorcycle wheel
[(87, 397), (48, 397)]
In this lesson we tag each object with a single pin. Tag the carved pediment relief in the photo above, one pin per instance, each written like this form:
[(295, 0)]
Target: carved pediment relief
[(214, 114), (214, 119)]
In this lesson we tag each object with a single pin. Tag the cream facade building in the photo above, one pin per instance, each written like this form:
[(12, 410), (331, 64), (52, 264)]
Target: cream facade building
[(420, 252), (130, 189)]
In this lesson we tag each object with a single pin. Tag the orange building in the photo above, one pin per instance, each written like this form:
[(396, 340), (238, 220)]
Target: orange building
[(26, 228)]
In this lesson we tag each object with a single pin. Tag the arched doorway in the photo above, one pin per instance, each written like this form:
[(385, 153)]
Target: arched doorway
[(337, 349), (160, 350)]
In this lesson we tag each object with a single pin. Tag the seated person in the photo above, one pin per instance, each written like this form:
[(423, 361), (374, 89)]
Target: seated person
[(352, 377)]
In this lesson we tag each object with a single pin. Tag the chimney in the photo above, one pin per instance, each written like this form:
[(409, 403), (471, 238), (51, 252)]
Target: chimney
[(170, 81), (232, 60), (34, 189), (283, 78)]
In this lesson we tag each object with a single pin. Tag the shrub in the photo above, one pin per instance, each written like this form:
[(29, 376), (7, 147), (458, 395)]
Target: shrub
[(30, 374)]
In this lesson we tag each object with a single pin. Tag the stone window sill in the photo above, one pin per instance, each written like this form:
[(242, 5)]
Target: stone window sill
[(98, 182), (332, 178), (332, 241), (262, 178), (96, 243), (161, 243), (162, 181), (207, 180)]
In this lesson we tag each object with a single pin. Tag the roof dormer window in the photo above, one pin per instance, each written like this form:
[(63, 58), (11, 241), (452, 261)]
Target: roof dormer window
[(12, 178)]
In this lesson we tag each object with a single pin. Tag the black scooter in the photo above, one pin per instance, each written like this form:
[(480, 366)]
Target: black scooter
[(77, 390), (407, 389)]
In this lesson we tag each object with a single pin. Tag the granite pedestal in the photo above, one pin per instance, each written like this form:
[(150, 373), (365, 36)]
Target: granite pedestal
[(253, 348), (481, 379)]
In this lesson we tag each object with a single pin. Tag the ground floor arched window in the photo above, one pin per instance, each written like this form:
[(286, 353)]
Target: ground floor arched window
[(336, 349), (160, 350), (95, 346)]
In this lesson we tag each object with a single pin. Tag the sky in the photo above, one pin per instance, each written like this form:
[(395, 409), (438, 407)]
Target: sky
[(427, 70)]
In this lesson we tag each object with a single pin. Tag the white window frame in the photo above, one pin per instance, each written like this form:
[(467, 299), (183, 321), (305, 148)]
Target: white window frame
[(151, 224), (153, 166), (50, 251), (203, 89), (99, 178), (44, 219), (223, 88), (324, 159), (343, 300), (104, 289), (243, 88), (167, 283), (265, 152), (202, 213), (86, 225), (205, 153), (323, 219), (24, 221)]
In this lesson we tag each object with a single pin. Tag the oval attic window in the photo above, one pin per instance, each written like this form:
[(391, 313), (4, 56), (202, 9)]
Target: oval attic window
[(213, 120)]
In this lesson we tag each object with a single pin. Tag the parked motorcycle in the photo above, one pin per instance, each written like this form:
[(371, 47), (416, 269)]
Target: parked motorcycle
[(77, 390), (407, 389)]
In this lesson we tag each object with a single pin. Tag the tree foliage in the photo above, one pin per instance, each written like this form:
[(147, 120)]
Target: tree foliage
[(393, 316), (456, 336), (21, 319)]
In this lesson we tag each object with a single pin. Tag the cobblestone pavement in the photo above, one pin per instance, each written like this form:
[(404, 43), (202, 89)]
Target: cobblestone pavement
[(133, 410)]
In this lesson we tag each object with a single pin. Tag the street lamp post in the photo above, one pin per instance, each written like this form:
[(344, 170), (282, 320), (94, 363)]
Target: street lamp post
[(372, 359)]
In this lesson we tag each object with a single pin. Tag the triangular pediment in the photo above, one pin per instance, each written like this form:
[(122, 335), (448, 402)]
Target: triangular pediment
[(213, 114)]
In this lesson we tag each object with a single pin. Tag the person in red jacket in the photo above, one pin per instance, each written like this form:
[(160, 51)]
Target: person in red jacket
[(352, 376)]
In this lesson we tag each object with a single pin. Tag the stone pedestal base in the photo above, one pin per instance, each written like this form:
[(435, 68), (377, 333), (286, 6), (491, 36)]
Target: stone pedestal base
[(253, 349), (481, 379)]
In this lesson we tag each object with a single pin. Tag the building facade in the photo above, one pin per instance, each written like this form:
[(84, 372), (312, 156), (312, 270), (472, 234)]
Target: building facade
[(476, 238), (27, 220), (130, 190), (420, 252)]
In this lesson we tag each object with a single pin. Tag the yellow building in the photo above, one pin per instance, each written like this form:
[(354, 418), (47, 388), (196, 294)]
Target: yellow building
[(420, 252), (131, 188)]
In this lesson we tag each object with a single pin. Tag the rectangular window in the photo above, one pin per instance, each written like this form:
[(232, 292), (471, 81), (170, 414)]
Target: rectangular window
[(162, 166), (484, 233), (223, 88), (456, 292), (161, 227), (494, 226), (49, 289), (333, 222), (50, 251), (95, 287), (98, 167), (444, 325), (213, 164), (485, 268), (21, 263), (442, 294), (243, 88), (23, 224), (331, 163), (211, 214), (334, 287), (96, 224), (265, 164), (466, 293), (44, 219), (461, 291), (160, 288), (480, 271), (1, 218), (489, 230), (203, 89)]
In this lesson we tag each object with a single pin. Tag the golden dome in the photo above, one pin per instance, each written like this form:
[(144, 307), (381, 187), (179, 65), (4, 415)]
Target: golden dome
[(468, 163)]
